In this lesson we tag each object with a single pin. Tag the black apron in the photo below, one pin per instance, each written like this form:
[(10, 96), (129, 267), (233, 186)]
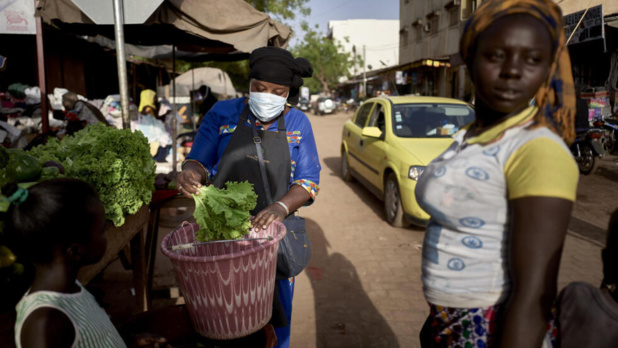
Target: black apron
[(239, 162)]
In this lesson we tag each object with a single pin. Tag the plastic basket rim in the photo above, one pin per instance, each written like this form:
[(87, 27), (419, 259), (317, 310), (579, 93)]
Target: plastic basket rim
[(172, 255)]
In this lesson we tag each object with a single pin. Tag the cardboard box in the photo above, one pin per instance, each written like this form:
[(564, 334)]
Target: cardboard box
[(444, 131), (598, 103)]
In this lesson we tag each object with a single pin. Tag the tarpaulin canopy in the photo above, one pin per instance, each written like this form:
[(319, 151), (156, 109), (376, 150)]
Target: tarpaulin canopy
[(206, 26), (214, 27), (166, 52), (216, 79)]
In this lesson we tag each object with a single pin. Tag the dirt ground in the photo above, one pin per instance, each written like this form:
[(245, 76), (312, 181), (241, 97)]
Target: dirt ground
[(362, 287)]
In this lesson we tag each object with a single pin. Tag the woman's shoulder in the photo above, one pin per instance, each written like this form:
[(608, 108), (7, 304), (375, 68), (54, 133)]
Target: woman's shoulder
[(229, 105), (534, 136), (296, 119), (546, 133)]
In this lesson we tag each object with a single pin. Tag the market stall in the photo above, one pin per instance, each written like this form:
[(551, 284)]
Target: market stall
[(212, 27), (203, 27)]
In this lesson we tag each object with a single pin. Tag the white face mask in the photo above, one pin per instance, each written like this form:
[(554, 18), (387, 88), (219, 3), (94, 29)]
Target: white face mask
[(266, 106)]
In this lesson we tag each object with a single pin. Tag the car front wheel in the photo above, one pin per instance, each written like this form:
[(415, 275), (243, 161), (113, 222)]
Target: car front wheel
[(393, 209)]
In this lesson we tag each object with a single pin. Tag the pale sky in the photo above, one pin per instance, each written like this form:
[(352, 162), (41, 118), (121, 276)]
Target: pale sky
[(323, 11)]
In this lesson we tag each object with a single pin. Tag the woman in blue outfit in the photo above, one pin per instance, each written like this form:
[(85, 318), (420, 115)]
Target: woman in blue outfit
[(224, 151)]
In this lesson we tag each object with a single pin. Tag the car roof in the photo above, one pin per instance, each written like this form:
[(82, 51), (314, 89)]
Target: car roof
[(413, 99)]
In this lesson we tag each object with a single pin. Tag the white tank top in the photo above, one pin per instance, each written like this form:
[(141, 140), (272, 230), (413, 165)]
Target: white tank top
[(92, 325)]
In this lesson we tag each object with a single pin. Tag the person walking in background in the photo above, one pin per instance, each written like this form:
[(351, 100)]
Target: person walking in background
[(80, 113), (581, 116), (587, 315), (501, 195), (147, 122), (206, 101), (148, 102), (84, 111)]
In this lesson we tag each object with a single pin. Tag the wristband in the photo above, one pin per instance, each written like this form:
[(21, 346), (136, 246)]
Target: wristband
[(287, 211)]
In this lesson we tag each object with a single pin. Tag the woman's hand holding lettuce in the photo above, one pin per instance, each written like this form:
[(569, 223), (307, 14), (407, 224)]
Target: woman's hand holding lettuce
[(224, 213)]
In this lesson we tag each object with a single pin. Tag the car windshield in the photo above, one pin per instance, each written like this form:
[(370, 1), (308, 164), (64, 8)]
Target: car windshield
[(430, 120)]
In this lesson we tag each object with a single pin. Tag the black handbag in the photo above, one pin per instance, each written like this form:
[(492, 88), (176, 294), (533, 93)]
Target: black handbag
[(294, 248)]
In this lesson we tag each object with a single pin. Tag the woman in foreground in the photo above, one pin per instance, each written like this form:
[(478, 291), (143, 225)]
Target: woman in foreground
[(500, 197)]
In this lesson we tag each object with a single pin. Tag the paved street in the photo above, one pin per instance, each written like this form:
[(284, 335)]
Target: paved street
[(362, 287)]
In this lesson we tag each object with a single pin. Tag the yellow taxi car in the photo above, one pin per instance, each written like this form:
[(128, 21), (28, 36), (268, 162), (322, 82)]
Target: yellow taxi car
[(389, 142)]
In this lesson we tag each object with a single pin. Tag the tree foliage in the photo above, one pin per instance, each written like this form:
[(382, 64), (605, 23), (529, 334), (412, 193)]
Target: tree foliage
[(328, 58), (282, 9)]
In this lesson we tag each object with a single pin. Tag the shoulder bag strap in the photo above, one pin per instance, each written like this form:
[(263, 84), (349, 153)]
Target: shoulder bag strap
[(258, 146)]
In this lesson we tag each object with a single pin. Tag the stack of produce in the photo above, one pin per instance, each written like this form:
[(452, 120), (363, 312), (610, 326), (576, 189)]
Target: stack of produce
[(19, 166), (116, 162)]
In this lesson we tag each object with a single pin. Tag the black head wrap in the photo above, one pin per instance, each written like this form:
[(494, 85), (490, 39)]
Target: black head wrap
[(278, 66)]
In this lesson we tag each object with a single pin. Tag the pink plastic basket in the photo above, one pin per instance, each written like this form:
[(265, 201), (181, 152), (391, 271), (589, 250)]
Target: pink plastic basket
[(228, 286)]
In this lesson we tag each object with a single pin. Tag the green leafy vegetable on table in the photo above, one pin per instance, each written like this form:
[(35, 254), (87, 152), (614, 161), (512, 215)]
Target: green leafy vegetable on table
[(116, 162), (224, 213)]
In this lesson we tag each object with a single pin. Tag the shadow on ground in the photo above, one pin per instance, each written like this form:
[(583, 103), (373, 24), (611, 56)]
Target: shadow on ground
[(373, 202), (345, 315), (334, 164)]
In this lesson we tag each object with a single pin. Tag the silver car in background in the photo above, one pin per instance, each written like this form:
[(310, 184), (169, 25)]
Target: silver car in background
[(325, 105)]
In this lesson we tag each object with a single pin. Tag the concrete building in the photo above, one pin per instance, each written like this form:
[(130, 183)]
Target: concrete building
[(379, 38), (593, 47), (429, 39), (610, 7)]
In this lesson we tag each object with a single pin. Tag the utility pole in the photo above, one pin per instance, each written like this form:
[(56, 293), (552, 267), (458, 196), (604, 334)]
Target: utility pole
[(364, 72), (354, 52), (122, 63)]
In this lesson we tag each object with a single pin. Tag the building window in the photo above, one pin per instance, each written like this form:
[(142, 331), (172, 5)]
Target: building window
[(435, 25), (453, 15), (417, 28)]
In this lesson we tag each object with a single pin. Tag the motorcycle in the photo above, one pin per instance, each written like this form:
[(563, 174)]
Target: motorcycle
[(349, 105), (588, 149), (610, 126)]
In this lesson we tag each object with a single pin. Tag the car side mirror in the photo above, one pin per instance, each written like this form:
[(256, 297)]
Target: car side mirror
[(372, 132)]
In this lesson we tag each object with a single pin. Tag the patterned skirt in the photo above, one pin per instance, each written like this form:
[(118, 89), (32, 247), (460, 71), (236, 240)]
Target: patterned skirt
[(469, 327)]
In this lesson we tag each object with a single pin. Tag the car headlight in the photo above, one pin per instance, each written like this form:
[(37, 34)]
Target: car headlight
[(415, 172)]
